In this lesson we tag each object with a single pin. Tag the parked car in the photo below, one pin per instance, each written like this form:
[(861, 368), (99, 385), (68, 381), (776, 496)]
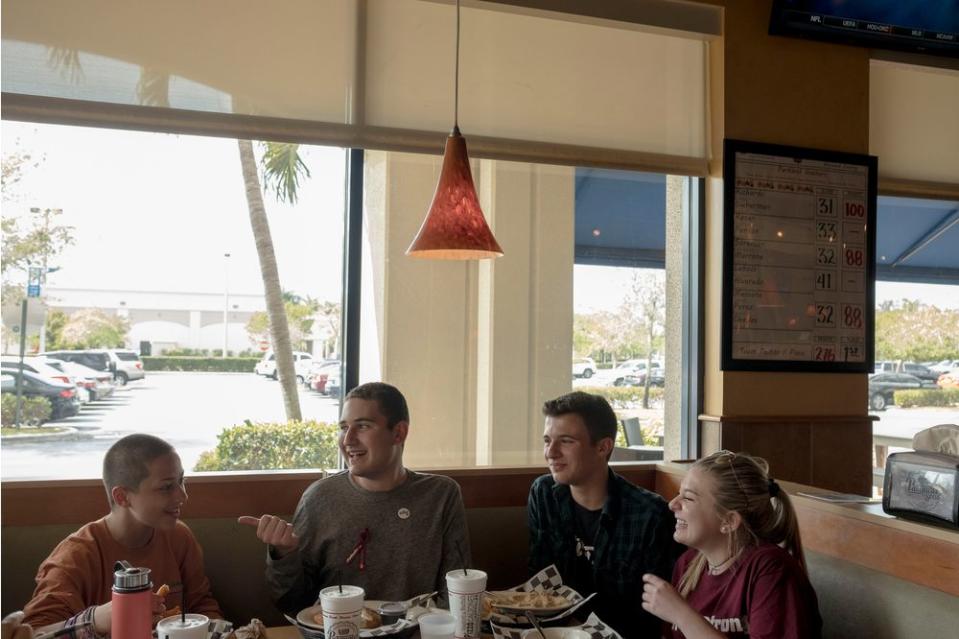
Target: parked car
[(657, 377), (99, 384), (127, 365), (627, 373), (584, 367), (920, 371), (320, 372), (883, 386), (949, 380), (63, 396), (885, 366), (944, 366), (97, 360), (333, 383), (38, 365), (301, 364)]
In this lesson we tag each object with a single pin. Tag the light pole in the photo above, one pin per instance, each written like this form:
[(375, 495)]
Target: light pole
[(226, 303), (43, 267)]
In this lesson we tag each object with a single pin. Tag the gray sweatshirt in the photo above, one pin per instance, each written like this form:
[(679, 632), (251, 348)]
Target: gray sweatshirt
[(417, 533)]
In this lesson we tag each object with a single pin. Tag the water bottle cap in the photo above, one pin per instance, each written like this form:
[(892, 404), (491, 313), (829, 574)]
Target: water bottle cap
[(127, 577)]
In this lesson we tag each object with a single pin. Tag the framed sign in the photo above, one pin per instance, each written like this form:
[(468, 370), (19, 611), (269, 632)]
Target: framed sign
[(799, 265)]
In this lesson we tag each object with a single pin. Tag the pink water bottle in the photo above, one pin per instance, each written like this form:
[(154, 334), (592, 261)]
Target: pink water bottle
[(132, 610)]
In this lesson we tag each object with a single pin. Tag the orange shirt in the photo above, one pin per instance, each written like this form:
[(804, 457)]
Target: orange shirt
[(79, 572)]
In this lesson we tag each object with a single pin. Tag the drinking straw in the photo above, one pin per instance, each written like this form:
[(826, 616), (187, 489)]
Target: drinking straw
[(459, 549)]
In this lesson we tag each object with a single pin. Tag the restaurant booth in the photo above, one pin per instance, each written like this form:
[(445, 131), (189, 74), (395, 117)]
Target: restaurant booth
[(876, 576)]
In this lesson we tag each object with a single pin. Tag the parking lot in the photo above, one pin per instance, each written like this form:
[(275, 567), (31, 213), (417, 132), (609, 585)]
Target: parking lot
[(186, 409)]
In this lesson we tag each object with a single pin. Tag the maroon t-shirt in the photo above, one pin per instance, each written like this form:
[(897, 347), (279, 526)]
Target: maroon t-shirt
[(764, 595)]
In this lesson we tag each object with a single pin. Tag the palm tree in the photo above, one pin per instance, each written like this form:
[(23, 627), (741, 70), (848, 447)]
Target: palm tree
[(282, 168)]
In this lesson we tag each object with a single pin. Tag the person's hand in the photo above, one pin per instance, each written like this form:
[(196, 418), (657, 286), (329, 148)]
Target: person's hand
[(273, 531), (102, 619), (158, 606), (662, 600), (14, 628)]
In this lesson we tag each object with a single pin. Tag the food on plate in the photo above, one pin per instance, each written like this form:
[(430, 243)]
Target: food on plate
[(371, 618), (533, 600)]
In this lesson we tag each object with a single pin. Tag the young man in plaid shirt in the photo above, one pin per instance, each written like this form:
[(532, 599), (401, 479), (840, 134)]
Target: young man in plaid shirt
[(602, 532)]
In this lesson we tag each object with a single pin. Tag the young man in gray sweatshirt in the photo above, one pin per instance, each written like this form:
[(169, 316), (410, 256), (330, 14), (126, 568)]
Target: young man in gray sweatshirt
[(378, 525)]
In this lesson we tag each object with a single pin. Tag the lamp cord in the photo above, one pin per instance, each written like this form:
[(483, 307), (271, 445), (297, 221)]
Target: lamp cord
[(456, 75)]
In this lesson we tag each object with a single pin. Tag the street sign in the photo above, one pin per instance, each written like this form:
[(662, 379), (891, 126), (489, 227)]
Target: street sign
[(33, 281)]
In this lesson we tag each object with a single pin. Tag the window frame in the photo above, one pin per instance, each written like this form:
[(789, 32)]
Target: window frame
[(57, 111)]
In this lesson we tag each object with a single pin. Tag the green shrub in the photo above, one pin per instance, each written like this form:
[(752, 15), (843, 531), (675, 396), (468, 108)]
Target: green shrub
[(250, 446), (624, 396), (202, 364), (34, 411), (927, 397)]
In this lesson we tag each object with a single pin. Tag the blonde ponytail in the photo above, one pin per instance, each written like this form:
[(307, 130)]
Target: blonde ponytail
[(742, 485)]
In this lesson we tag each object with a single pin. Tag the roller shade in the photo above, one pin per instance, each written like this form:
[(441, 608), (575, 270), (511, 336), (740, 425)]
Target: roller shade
[(914, 121), (381, 68)]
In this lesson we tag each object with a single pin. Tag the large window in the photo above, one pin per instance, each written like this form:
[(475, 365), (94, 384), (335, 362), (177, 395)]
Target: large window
[(152, 252), (916, 381), (476, 347)]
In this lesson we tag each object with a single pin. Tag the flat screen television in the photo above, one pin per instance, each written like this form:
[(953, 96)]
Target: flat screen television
[(924, 26)]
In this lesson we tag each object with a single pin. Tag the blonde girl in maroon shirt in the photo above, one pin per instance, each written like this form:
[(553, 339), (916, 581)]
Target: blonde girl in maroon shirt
[(744, 574)]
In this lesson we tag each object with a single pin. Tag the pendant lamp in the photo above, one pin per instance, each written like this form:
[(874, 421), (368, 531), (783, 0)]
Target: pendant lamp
[(455, 228)]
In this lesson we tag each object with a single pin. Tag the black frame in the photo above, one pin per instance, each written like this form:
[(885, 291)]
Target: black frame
[(730, 149)]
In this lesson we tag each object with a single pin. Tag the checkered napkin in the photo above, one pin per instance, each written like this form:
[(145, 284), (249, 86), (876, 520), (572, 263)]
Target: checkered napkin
[(546, 580), (219, 628), (594, 626), (425, 600)]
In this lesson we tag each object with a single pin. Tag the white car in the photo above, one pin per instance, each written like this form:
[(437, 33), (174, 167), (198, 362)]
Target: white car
[(128, 365), (301, 364), (98, 384), (39, 365), (623, 374), (584, 367)]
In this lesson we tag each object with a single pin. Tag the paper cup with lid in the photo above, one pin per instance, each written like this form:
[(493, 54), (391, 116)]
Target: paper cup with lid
[(466, 588), (342, 611)]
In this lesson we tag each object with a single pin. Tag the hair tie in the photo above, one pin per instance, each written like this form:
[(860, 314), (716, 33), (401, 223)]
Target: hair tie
[(773, 488)]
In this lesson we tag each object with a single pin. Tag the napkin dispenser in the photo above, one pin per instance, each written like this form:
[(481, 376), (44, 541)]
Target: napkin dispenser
[(923, 486)]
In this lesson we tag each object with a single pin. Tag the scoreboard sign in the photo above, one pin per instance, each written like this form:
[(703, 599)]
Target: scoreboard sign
[(799, 263)]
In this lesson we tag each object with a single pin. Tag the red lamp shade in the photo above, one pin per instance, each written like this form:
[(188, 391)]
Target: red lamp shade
[(455, 228)]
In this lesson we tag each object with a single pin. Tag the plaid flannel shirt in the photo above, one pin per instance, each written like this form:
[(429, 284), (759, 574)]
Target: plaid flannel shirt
[(635, 537)]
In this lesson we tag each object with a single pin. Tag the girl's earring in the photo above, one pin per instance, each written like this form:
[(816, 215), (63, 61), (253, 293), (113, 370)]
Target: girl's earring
[(723, 530)]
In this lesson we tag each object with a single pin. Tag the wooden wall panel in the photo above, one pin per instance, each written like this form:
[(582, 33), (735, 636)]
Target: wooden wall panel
[(38, 503), (923, 560), (827, 451)]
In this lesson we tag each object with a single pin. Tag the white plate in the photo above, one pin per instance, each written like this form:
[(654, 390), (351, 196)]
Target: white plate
[(305, 616)]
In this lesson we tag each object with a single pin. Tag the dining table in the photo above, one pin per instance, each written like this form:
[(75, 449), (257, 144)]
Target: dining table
[(290, 632)]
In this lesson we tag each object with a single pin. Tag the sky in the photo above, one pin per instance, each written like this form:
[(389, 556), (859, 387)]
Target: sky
[(157, 212)]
